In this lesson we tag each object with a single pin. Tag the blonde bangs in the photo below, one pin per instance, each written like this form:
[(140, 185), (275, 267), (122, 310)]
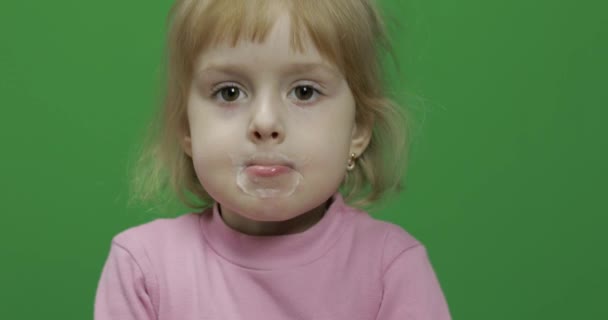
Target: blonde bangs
[(198, 25)]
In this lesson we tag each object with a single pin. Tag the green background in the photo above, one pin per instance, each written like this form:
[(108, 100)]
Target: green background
[(507, 182)]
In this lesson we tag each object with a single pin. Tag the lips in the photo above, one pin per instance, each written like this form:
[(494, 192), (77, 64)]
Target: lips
[(267, 170), (268, 165), (269, 162)]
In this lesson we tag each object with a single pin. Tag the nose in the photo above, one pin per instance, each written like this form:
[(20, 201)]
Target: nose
[(266, 126)]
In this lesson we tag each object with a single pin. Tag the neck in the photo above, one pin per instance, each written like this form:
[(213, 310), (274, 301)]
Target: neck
[(298, 224)]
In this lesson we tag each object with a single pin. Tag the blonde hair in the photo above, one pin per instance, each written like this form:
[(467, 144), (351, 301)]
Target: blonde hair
[(348, 33)]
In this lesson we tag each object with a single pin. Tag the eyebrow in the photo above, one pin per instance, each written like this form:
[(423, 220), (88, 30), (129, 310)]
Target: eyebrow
[(289, 69)]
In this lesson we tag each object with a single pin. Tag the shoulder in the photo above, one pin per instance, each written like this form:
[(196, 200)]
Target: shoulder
[(391, 238), (159, 233)]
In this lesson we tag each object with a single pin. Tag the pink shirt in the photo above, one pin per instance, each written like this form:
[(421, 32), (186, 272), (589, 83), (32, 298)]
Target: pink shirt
[(347, 266)]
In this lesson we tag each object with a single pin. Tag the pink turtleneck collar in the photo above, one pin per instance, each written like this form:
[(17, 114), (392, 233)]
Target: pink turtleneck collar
[(275, 252)]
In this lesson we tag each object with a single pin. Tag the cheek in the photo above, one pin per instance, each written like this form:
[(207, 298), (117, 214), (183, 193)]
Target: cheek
[(328, 147), (333, 133), (210, 132), (213, 143), (212, 165)]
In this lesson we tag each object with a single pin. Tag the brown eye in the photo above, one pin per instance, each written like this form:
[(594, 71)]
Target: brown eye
[(230, 93), (304, 92)]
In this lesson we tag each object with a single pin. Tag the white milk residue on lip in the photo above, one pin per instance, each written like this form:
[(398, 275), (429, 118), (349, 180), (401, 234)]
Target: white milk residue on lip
[(274, 186), (264, 187)]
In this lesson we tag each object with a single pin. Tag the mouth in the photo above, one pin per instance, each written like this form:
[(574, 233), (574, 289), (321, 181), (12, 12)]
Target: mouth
[(268, 166), (269, 162), (266, 171), (269, 174)]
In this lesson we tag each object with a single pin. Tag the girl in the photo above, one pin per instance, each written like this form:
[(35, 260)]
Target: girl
[(272, 107)]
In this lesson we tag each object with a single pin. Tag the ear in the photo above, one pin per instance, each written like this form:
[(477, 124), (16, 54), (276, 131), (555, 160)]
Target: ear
[(187, 145), (361, 136)]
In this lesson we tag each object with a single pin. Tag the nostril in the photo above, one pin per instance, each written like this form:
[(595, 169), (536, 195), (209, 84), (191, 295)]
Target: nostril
[(275, 135), (258, 135)]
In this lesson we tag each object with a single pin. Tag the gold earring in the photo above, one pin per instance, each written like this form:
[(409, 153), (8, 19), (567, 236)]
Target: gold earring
[(351, 162)]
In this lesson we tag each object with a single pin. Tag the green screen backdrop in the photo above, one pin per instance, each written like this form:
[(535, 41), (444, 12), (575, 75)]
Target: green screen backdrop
[(507, 179)]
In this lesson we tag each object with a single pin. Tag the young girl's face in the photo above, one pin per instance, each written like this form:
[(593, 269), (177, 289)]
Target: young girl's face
[(271, 129)]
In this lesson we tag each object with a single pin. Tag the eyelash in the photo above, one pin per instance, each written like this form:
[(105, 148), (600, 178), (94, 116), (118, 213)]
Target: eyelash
[(217, 90)]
